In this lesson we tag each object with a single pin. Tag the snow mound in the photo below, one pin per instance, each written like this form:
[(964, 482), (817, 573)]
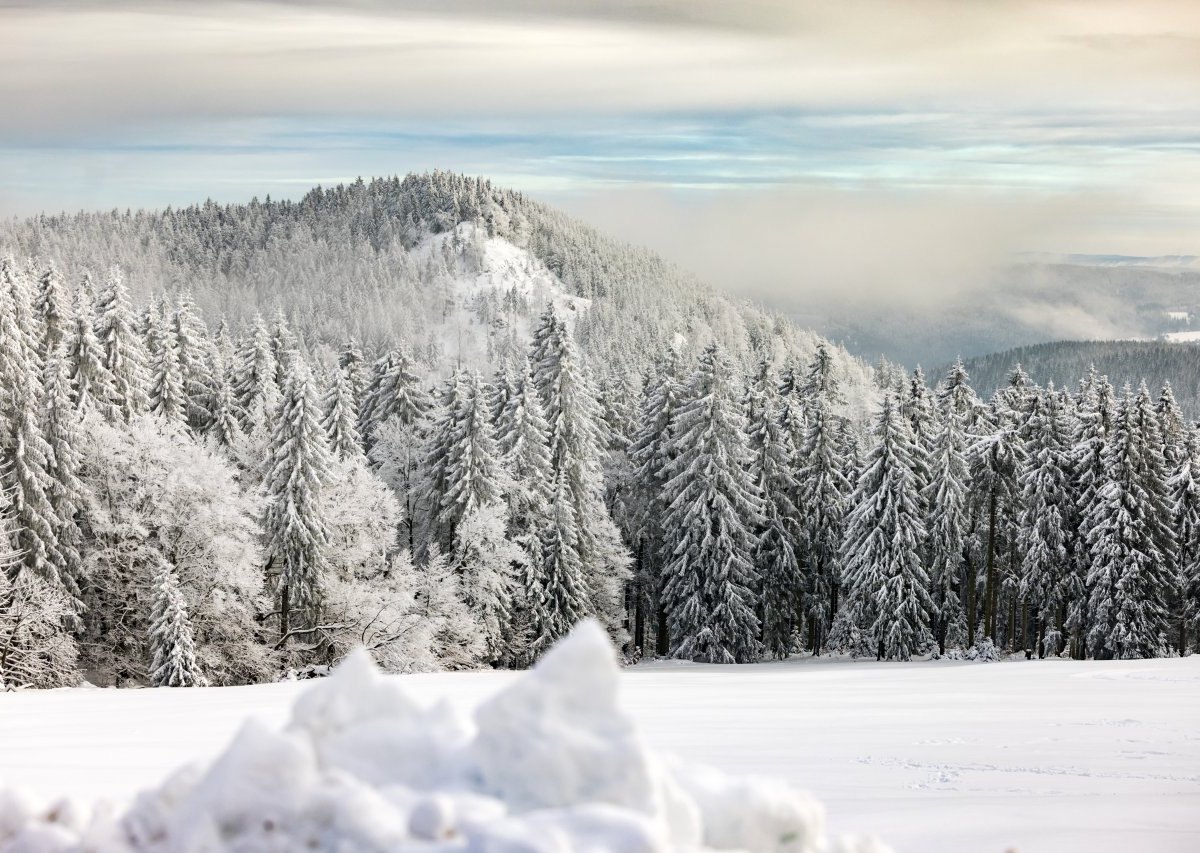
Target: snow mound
[(551, 765)]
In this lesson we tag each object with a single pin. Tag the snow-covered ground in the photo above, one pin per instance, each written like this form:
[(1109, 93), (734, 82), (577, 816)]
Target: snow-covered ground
[(1037, 756)]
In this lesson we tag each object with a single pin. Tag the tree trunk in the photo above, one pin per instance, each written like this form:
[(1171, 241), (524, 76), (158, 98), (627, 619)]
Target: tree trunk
[(639, 609), (989, 592), (1012, 623), (970, 593), (662, 638), (284, 612)]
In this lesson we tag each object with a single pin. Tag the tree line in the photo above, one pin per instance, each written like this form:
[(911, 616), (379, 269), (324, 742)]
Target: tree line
[(189, 504)]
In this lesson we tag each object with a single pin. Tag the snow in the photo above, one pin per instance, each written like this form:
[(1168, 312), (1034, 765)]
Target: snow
[(1062, 756), (1182, 337), (496, 269)]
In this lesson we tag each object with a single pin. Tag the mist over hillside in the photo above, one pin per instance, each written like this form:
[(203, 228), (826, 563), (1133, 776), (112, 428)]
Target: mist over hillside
[(1037, 300)]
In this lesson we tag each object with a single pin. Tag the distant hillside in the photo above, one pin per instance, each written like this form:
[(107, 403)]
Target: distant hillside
[(1064, 362), (452, 266)]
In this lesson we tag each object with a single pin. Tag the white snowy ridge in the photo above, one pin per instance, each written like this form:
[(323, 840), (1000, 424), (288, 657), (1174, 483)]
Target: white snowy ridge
[(550, 766)]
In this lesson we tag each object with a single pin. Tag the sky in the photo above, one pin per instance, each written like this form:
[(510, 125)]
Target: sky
[(782, 149)]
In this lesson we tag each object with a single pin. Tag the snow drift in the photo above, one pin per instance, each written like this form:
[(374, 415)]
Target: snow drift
[(550, 764)]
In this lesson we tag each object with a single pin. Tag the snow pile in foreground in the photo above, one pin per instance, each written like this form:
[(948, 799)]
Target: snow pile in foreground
[(550, 765)]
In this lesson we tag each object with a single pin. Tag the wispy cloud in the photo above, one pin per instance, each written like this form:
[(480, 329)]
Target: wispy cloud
[(1071, 121)]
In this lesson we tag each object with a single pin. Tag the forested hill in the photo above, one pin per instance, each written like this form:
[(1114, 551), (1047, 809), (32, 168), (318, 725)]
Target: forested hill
[(1063, 362), (451, 266)]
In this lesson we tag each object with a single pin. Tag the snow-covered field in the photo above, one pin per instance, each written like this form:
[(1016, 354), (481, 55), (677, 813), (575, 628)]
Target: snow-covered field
[(1037, 756)]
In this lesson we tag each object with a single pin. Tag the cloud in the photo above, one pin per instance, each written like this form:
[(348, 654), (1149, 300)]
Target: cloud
[(852, 150), (69, 64)]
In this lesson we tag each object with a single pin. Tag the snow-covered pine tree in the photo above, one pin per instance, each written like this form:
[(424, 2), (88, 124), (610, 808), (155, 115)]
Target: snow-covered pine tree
[(61, 427), (1043, 524), (713, 512), (52, 308), (1172, 427), (354, 364), (254, 385), (92, 385), (284, 346), (197, 357), (172, 644), (995, 458), (558, 591), (885, 532), (780, 588), (167, 397), (525, 449), (650, 452), (293, 521), (1184, 490), (341, 418), (1130, 538), (1093, 428), (24, 453), (947, 521), (956, 395), (824, 488), (473, 475), (577, 450), (394, 391), (21, 284), (224, 426), (918, 407), (124, 353)]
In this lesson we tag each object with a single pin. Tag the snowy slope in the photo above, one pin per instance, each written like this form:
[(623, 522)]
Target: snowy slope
[(1055, 756), (476, 275)]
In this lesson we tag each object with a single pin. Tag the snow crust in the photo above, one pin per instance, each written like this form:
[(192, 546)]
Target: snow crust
[(550, 765)]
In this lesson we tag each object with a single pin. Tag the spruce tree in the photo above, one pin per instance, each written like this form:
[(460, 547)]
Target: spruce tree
[(1093, 430), (124, 354), (713, 513), (67, 494), (196, 357), (824, 488), (297, 538), (577, 450), (167, 397), (254, 385), (172, 644), (1043, 523), (525, 449), (92, 385), (52, 308), (1130, 538), (995, 457), (885, 532), (773, 471), (224, 426), (947, 521), (558, 590), (651, 452), (353, 363), (474, 477), (394, 391), (24, 452), (340, 420), (1184, 490)]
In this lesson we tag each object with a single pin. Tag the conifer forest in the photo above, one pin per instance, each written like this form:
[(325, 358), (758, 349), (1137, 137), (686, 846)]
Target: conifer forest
[(204, 496)]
